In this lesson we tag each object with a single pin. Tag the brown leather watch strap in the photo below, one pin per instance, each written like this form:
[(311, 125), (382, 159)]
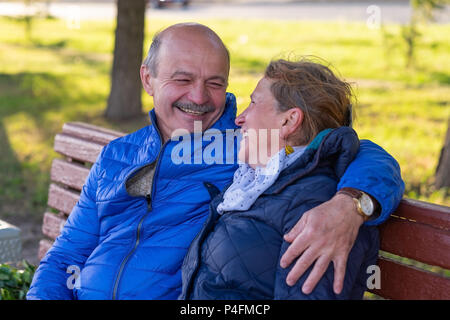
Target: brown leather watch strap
[(354, 193)]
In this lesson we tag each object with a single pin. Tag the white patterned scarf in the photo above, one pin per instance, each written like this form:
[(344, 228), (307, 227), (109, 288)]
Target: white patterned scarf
[(248, 183)]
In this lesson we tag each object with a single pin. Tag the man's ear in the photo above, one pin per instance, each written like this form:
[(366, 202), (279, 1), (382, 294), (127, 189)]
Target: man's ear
[(292, 121), (146, 79)]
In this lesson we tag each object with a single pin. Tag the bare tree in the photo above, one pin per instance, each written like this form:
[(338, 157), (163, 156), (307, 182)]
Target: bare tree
[(124, 100)]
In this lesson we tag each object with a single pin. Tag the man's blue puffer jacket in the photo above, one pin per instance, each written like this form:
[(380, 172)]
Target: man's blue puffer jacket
[(237, 254), (124, 248), (128, 250)]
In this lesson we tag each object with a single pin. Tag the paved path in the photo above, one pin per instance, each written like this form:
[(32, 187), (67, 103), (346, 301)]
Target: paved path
[(389, 11)]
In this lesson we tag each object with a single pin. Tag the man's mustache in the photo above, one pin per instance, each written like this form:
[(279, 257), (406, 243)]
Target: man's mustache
[(193, 106)]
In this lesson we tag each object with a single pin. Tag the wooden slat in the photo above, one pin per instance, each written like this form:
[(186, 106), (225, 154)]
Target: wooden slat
[(52, 225), (90, 132), (424, 212), (62, 199), (44, 246), (78, 141), (401, 282), (425, 239), (68, 173), (77, 148)]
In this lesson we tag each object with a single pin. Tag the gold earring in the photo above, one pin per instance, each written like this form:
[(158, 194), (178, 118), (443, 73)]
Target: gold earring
[(288, 149)]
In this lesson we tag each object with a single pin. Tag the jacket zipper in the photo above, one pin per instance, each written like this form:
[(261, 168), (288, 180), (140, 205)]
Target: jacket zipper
[(148, 197), (197, 254), (116, 285), (211, 220)]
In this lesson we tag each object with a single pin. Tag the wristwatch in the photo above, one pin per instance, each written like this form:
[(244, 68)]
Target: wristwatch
[(365, 206)]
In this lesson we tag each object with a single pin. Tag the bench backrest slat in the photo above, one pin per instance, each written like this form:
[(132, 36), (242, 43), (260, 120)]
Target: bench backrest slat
[(44, 246), (402, 282), (69, 174), (424, 212), (62, 199), (419, 235), (52, 224), (77, 148), (90, 132)]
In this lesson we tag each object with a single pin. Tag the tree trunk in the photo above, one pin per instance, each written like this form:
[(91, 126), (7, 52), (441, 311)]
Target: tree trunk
[(443, 168), (124, 100)]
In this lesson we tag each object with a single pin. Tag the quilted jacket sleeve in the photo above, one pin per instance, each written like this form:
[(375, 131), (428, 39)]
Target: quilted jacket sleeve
[(363, 254), (377, 173), (71, 249)]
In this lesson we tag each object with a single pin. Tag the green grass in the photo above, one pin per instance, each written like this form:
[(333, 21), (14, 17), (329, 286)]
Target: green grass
[(62, 75)]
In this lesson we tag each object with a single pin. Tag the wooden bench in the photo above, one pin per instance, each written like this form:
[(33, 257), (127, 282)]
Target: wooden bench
[(417, 230)]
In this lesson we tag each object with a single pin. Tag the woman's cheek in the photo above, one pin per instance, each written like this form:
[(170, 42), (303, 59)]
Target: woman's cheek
[(243, 154)]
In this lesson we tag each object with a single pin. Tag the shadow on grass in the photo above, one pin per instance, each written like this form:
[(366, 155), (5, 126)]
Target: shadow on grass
[(46, 101), (440, 77), (11, 176), (53, 45), (30, 94), (65, 55), (31, 97)]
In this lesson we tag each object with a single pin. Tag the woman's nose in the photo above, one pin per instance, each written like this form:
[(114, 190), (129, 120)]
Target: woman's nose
[(240, 120)]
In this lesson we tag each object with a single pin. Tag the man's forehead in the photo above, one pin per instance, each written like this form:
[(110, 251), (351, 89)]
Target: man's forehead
[(187, 55), (189, 38), (192, 48), (189, 29)]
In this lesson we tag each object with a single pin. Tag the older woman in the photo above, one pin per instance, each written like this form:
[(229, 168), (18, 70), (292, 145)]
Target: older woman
[(296, 144)]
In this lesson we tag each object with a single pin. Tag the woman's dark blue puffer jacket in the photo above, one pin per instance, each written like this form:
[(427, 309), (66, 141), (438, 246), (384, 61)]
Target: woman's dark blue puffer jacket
[(237, 255)]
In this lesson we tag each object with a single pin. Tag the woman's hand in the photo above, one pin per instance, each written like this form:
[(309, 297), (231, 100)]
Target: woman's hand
[(325, 233)]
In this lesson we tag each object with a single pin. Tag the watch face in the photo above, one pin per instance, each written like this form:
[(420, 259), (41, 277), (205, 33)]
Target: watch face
[(366, 204)]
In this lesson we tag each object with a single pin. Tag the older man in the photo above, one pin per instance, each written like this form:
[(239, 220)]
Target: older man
[(139, 210)]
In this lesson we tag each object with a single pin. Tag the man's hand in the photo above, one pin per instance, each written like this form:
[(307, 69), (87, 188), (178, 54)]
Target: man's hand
[(325, 233)]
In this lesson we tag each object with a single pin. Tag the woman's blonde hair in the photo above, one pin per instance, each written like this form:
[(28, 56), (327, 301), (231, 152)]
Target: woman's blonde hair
[(326, 101)]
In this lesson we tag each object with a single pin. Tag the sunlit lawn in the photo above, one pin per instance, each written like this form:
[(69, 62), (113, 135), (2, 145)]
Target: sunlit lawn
[(63, 75)]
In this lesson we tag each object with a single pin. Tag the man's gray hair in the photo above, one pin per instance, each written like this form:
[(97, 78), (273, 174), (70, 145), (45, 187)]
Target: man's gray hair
[(151, 61), (152, 56)]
